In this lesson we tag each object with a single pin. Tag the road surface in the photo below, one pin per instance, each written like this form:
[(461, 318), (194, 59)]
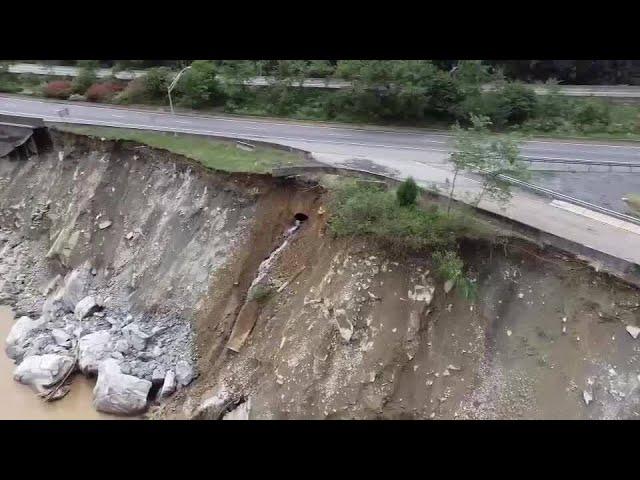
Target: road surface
[(398, 152)]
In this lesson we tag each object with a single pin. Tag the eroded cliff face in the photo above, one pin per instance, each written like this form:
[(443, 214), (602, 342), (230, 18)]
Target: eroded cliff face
[(140, 232), (231, 289), (357, 334)]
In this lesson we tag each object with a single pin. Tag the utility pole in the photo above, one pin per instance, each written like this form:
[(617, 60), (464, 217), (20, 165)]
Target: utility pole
[(173, 84)]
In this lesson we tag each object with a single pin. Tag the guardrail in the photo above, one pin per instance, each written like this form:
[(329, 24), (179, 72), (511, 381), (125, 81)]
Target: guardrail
[(567, 198), (606, 163)]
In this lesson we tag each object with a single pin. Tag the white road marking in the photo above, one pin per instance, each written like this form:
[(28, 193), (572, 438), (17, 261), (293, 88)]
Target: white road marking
[(601, 217)]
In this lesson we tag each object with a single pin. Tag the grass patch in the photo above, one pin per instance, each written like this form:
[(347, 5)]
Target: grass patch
[(368, 211), (212, 153), (381, 216)]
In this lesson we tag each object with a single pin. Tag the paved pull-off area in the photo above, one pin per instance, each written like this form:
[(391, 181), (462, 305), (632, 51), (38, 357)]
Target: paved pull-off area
[(396, 152)]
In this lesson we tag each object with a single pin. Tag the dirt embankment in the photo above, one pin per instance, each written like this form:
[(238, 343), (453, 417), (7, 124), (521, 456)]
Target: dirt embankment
[(357, 334), (323, 328), (139, 230)]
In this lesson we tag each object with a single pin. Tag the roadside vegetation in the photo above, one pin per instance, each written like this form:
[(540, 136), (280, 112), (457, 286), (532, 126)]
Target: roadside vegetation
[(215, 154), (402, 92), (405, 227), (399, 222), (489, 156)]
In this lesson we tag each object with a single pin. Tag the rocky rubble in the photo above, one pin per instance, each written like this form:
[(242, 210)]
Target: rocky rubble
[(125, 353), (118, 393), (108, 251), (42, 371)]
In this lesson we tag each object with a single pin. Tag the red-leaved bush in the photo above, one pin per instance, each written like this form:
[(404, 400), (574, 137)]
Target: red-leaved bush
[(58, 89), (102, 92)]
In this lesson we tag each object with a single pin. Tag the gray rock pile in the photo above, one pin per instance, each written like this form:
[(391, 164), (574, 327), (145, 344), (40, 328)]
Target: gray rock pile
[(128, 354)]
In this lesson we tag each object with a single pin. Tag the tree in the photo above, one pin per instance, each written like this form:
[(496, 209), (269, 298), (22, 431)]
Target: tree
[(407, 193), (468, 150), (86, 76), (476, 150), (517, 103), (409, 89), (199, 86), (156, 81)]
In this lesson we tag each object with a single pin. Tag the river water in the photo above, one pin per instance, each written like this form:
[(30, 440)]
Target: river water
[(19, 402)]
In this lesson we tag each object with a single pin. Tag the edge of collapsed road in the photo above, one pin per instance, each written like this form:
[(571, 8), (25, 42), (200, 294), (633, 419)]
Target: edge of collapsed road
[(626, 270)]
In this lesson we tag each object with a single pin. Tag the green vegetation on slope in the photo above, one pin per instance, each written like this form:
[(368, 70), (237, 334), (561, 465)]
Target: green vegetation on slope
[(212, 153), (362, 210)]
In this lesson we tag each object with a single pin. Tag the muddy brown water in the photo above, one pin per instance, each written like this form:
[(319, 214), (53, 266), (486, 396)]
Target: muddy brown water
[(19, 402)]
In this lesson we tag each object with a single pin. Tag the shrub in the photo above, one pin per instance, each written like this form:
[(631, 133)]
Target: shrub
[(407, 193), (156, 81), (7, 84), (9, 87), (134, 92), (362, 210), (58, 89), (591, 115), (102, 92), (449, 266), (261, 293), (553, 105), (511, 105), (517, 103), (86, 77)]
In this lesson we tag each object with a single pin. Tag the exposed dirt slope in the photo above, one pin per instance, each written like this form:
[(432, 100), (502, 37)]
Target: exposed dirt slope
[(355, 336), (141, 229)]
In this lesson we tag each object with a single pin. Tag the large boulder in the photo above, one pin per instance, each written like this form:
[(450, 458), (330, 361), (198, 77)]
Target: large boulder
[(73, 289), (241, 412), (136, 338), (86, 307), (21, 328), (169, 384), (93, 348), (21, 331), (41, 371), (61, 337), (185, 373), (422, 293), (118, 393)]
